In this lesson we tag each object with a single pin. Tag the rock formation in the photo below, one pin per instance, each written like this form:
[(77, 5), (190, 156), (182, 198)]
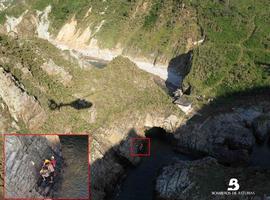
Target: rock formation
[(54, 70), (23, 159), (21, 105), (191, 180), (261, 127), (227, 136)]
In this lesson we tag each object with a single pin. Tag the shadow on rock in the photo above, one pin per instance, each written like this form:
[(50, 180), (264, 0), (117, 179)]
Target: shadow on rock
[(111, 165), (222, 129), (228, 128)]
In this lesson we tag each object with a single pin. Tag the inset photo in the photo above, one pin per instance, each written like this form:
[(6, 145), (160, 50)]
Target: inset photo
[(46, 166)]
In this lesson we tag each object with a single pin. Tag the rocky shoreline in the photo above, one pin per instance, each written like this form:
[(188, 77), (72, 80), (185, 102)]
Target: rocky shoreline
[(223, 144), (225, 139), (207, 179)]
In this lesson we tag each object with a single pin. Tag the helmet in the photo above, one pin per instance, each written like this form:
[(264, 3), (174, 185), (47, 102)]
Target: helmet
[(52, 157), (46, 161)]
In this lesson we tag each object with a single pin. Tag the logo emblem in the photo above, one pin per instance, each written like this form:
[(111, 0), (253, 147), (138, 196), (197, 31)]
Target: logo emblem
[(234, 185)]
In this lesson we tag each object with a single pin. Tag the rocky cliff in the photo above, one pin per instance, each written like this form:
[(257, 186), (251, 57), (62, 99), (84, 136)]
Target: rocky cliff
[(204, 179), (229, 136), (154, 32), (21, 106), (230, 42), (88, 30), (23, 159), (110, 152)]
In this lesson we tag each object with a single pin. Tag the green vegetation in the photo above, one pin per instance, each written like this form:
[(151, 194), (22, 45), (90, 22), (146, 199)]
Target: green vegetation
[(152, 17), (235, 55), (115, 91), (28, 55), (151, 28)]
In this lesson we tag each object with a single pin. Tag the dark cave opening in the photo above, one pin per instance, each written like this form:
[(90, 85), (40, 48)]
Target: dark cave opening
[(158, 133)]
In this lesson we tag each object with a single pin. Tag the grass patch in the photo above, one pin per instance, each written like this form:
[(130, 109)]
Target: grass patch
[(116, 91), (235, 56)]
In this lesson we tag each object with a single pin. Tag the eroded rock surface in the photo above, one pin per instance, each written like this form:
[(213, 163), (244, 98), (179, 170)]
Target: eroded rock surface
[(261, 126), (227, 136), (199, 179), (24, 155), (21, 105), (54, 70)]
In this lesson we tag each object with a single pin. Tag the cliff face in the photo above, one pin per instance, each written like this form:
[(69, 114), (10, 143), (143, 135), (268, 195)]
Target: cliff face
[(190, 180), (153, 32), (23, 157), (111, 25), (228, 136), (21, 106)]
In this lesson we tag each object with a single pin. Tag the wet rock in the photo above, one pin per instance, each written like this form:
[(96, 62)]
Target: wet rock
[(21, 106), (249, 114), (200, 179), (261, 127), (176, 182), (225, 155)]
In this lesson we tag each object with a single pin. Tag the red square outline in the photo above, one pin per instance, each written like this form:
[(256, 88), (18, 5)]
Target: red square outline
[(139, 154), (88, 159)]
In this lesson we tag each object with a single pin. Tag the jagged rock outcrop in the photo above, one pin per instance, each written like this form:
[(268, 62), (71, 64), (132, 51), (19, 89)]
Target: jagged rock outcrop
[(54, 70), (23, 159), (105, 169), (21, 105), (228, 136), (170, 123), (110, 152), (5, 120), (109, 157), (190, 180)]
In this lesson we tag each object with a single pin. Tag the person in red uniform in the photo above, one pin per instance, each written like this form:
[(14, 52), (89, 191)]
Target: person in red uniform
[(53, 161)]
